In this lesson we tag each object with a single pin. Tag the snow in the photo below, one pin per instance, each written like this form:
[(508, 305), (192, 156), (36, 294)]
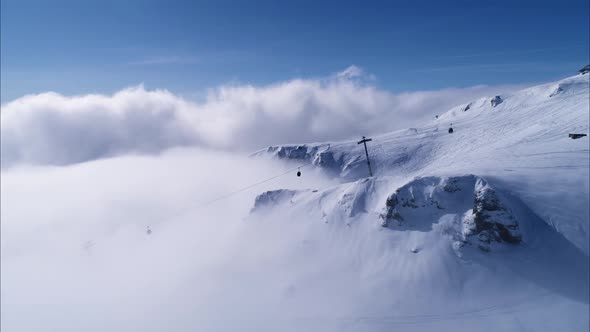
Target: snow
[(412, 230), (521, 143), (484, 229), (425, 272)]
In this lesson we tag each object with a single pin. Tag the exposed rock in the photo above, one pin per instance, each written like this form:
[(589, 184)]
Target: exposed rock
[(391, 213), (292, 152), (326, 160), (492, 219), (425, 202), (343, 165), (451, 185), (497, 100), (409, 203)]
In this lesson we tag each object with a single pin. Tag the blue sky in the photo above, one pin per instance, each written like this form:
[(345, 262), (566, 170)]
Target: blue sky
[(76, 47)]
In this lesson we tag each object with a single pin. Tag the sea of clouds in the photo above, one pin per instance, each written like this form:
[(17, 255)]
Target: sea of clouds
[(50, 128), (76, 256), (83, 177)]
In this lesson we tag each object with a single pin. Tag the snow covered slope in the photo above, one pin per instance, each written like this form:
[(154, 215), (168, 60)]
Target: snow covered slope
[(520, 144), (439, 253), (483, 229)]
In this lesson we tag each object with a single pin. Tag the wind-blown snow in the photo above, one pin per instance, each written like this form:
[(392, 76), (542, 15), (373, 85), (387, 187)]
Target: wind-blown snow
[(422, 274), (485, 229), (522, 143)]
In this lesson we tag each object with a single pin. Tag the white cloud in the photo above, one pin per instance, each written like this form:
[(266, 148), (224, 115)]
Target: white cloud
[(50, 128), (351, 72), (81, 260), (76, 257)]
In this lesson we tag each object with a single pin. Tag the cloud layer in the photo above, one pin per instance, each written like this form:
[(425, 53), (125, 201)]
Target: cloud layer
[(81, 259), (50, 128)]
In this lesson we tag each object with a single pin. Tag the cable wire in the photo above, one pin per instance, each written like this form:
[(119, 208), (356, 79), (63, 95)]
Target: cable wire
[(253, 185)]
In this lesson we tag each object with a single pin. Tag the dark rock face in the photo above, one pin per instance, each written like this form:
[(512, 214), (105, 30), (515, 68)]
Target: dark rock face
[(497, 100), (390, 211), (326, 159), (451, 186), (493, 222), (292, 152), (409, 203), (422, 203), (585, 70), (391, 201), (329, 161)]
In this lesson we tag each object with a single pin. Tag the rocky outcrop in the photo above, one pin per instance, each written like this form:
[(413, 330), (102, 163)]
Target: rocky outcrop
[(483, 219), (342, 164), (490, 221), (497, 100), (299, 152)]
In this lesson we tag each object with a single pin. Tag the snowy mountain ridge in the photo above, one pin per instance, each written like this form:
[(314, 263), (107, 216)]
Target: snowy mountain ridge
[(495, 214), (520, 145)]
